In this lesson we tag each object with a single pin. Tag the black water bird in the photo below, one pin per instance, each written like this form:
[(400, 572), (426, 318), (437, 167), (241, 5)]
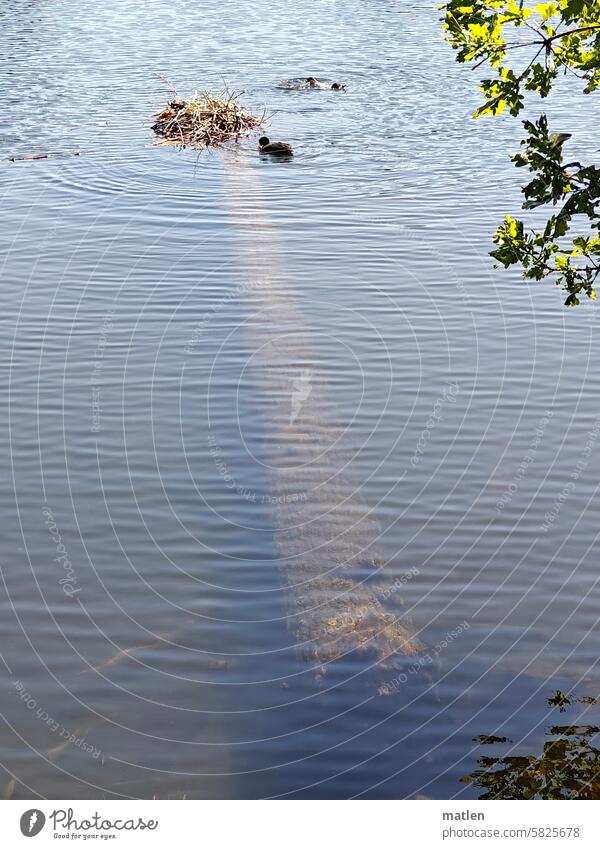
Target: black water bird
[(274, 148)]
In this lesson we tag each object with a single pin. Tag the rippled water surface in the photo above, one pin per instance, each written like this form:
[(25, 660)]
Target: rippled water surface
[(299, 492)]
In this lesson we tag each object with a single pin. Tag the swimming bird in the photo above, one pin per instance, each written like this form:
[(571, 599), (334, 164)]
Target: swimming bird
[(312, 82), (274, 148), (302, 83)]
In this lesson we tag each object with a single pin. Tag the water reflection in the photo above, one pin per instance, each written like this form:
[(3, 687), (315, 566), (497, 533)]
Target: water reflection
[(567, 768)]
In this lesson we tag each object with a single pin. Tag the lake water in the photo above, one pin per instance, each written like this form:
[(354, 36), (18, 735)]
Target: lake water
[(267, 423)]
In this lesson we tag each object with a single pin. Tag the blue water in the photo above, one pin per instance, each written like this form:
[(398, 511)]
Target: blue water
[(151, 623)]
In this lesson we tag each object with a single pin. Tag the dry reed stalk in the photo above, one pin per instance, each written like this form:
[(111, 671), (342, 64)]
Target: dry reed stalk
[(205, 120)]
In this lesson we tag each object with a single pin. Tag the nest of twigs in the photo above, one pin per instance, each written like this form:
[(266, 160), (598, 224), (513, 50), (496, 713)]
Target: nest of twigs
[(205, 120)]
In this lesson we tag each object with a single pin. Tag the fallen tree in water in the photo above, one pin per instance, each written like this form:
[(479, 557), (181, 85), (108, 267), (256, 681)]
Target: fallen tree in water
[(205, 120), (326, 534)]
